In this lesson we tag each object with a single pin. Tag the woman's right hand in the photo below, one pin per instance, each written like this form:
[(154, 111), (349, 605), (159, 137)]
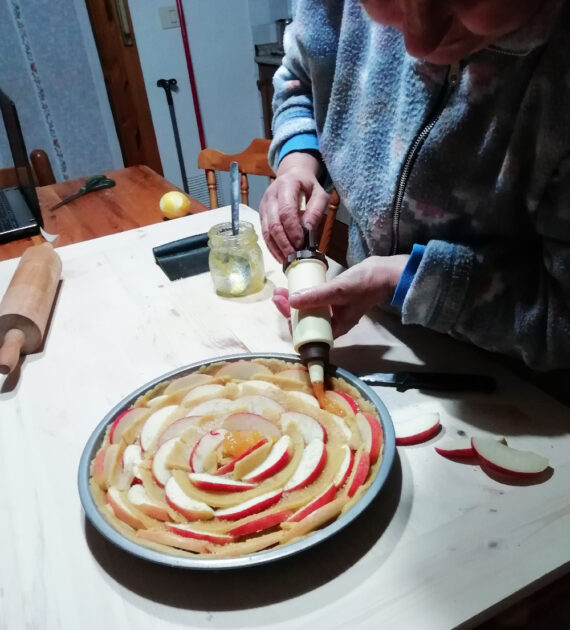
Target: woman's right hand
[(281, 222)]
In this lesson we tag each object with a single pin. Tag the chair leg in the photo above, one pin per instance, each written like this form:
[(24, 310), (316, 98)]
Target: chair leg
[(42, 167), (212, 188), (326, 234)]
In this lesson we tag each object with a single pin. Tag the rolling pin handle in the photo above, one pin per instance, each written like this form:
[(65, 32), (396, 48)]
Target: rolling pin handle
[(10, 350)]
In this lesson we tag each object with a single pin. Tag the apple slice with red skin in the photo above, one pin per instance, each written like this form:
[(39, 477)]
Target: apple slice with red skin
[(326, 496), (132, 457), (188, 532), (138, 496), (417, 429), (154, 425), (252, 506), (243, 370), (343, 402), (190, 508), (213, 406), (309, 428), (160, 472), (371, 434), (345, 467), (176, 429), (204, 447), (227, 468), (122, 509), (279, 456), (247, 421), (509, 461), (361, 468), (123, 421), (460, 447), (310, 466), (213, 483), (99, 468), (266, 521)]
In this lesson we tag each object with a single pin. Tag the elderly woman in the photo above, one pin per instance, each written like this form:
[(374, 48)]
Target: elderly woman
[(444, 127)]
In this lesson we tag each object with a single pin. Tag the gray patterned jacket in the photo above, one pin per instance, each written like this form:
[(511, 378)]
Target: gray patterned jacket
[(472, 160)]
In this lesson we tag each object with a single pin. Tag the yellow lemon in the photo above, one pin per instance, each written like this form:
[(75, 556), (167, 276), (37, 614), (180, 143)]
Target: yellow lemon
[(174, 204)]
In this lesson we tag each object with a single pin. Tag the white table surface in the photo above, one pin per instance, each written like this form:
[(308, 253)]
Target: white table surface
[(443, 545)]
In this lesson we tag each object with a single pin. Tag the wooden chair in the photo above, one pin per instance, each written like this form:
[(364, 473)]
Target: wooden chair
[(41, 171), (253, 161)]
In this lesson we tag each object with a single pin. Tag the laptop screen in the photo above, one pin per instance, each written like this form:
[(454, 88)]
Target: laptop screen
[(19, 155)]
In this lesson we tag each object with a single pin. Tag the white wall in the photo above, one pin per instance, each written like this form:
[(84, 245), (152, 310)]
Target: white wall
[(222, 50)]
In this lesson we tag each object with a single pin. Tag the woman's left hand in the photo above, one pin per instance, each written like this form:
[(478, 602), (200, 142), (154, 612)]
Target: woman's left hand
[(351, 294)]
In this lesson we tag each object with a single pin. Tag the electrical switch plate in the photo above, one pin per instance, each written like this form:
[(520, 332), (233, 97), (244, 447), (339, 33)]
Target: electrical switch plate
[(168, 17)]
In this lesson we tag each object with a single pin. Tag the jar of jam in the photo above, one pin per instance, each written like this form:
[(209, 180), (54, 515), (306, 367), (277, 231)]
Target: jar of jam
[(235, 260)]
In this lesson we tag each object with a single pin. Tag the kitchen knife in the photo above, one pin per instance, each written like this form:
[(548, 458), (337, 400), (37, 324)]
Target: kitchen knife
[(234, 191), (441, 381)]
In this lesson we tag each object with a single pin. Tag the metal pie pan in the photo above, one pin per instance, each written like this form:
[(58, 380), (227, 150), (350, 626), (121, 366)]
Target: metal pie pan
[(257, 558)]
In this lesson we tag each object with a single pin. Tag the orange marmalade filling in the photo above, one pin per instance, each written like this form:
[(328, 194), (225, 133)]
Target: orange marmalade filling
[(324, 402), (238, 442)]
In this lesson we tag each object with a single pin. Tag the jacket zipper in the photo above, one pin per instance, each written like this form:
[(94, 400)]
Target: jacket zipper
[(451, 82)]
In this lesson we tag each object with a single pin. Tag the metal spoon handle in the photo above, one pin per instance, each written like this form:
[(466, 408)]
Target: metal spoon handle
[(234, 179)]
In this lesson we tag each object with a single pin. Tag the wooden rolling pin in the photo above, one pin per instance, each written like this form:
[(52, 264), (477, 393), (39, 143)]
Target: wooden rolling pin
[(27, 303)]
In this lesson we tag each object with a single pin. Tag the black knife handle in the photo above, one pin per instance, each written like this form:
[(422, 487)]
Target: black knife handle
[(445, 382)]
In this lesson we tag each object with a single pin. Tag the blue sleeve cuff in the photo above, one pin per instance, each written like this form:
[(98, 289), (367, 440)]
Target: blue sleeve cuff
[(408, 275), (300, 142)]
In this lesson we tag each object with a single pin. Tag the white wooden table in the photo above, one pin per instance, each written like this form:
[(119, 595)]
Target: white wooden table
[(444, 545)]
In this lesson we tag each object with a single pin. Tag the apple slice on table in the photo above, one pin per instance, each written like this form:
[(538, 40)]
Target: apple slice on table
[(345, 467), (204, 448), (160, 472), (456, 448), (252, 506), (190, 508), (212, 390), (371, 434), (227, 468), (123, 421), (507, 460), (243, 370), (340, 403), (279, 456), (417, 428), (247, 421), (310, 466), (213, 483), (155, 424), (187, 531), (308, 427), (138, 496), (261, 523), (325, 497), (360, 471)]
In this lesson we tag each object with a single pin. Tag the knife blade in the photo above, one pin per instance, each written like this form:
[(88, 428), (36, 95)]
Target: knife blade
[(440, 381), (234, 191)]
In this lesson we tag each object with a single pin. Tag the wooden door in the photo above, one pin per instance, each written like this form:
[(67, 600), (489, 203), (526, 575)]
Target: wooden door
[(115, 40)]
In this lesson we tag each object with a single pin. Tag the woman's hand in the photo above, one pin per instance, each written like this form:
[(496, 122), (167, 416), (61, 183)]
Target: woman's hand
[(351, 294), (279, 208)]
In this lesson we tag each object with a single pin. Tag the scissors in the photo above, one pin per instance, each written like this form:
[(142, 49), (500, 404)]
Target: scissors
[(97, 182)]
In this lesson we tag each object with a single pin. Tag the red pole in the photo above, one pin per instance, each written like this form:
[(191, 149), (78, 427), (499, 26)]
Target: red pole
[(190, 67)]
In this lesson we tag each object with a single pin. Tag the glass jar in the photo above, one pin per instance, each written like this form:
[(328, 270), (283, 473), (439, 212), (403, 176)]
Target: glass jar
[(236, 261)]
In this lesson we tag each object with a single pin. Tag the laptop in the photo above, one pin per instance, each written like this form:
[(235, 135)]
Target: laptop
[(20, 214)]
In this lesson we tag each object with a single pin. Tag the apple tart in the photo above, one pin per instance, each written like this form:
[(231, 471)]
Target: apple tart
[(235, 458)]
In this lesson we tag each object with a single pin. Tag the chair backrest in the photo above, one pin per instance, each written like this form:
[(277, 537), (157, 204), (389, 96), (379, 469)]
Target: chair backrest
[(254, 161), (41, 171)]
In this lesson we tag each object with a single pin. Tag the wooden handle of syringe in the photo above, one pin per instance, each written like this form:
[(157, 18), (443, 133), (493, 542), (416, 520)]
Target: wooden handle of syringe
[(11, 349)]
